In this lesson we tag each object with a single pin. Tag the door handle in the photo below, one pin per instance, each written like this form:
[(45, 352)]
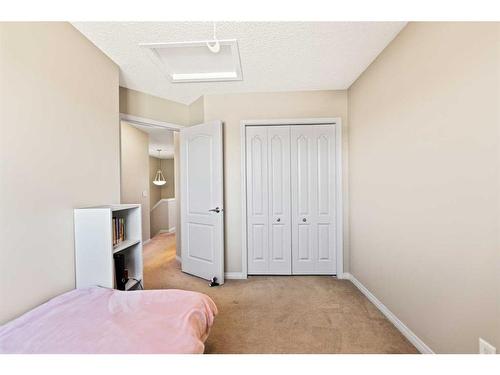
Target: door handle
[(278, 220), (216, 210), (304, 220)]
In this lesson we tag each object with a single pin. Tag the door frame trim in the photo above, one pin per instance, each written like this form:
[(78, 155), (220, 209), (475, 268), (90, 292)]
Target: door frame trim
[(340, 214), (137, 120)]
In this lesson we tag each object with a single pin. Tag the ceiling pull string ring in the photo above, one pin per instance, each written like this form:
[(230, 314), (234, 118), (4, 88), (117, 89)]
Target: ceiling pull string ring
[(215, 47)]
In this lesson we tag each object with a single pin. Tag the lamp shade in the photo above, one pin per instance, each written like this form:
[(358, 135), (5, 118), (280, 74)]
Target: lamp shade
[(159, 178)]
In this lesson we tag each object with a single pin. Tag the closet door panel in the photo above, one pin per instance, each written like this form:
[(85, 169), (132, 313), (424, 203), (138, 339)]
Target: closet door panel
[(304, 187), (324, 136), (280, 262), (257, 199), (313, 199)]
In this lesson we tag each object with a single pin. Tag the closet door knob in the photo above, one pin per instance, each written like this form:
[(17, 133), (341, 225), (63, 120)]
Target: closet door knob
[(278, 220), (304, 220)]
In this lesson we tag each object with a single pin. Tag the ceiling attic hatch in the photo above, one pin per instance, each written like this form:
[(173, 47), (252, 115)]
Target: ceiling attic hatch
[(204, 61)]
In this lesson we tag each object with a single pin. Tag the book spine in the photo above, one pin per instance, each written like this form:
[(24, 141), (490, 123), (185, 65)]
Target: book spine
[(116, 231), (118, 224)]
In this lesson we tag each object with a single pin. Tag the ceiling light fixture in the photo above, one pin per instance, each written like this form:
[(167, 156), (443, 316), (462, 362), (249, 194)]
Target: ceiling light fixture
[(215, 47), (159, 178)]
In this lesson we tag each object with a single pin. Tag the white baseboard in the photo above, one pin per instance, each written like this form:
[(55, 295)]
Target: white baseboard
[(171, 230), (178, 258), (408, 333), (234, 276), (145, 242), (343, 276)]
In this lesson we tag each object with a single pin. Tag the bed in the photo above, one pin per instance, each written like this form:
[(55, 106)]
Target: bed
[(107, 321)]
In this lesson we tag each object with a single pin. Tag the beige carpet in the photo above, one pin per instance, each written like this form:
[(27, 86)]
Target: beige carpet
[(280, 314)]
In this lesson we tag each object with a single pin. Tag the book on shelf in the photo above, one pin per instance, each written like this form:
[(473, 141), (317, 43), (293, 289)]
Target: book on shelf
[(118, 230)]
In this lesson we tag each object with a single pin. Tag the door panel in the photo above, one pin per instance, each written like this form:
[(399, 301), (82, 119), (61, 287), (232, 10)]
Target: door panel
[(304, 198), (198, 151), (202, 229), (303, 167), (278, 234), (324, 182), (313, 199), (268, 200), (325, 217), (280, 259), (324, 242), (304, 243), (259, 172), (257, 200)]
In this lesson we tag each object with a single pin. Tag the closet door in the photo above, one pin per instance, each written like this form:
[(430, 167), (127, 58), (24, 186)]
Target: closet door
[(280, 250), (268, 200), (313, 199), (257, 200)]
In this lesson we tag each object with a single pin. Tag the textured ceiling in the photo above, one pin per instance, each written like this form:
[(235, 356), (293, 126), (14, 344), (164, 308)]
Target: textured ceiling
[(275, 56)]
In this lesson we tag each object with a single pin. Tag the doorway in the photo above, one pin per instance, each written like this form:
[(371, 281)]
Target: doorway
[(149, 176), (176, 174)]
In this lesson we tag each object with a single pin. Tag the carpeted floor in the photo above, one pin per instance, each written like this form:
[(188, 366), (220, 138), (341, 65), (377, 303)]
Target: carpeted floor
[(280, 314)]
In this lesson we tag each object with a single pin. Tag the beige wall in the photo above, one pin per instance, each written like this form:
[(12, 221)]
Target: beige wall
[(233, 108), (152, 107), (197, 111), (166, 191), (159, 220), (135, 172), (59, 149), (154, 191), (168, 169), (424, 182)]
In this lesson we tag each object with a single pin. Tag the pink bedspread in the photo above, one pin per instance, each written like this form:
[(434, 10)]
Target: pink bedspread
[(100, 320)]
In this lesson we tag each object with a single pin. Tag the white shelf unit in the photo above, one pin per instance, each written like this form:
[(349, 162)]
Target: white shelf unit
[(94, 248)]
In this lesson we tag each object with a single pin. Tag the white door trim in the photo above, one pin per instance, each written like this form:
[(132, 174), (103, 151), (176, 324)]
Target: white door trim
[(149, 122), (338, 182)]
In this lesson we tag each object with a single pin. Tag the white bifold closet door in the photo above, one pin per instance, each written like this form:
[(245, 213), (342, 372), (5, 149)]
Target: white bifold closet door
[(290, 180), (313, 199), (268, 200)]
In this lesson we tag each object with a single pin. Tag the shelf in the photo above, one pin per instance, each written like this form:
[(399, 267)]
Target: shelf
[(114, 207), (95, 264), (124, 207), (131, 283), (124, 245)]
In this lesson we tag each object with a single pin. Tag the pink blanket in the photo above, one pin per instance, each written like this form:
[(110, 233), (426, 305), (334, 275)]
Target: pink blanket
[(99, 320)]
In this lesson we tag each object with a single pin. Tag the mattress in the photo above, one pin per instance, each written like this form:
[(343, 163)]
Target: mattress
[(108, 321)]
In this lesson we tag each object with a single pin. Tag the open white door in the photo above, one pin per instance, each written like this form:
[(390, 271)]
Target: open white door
[(202, 198)]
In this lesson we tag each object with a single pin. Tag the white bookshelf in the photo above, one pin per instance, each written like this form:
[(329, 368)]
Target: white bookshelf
[(94, 248)]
